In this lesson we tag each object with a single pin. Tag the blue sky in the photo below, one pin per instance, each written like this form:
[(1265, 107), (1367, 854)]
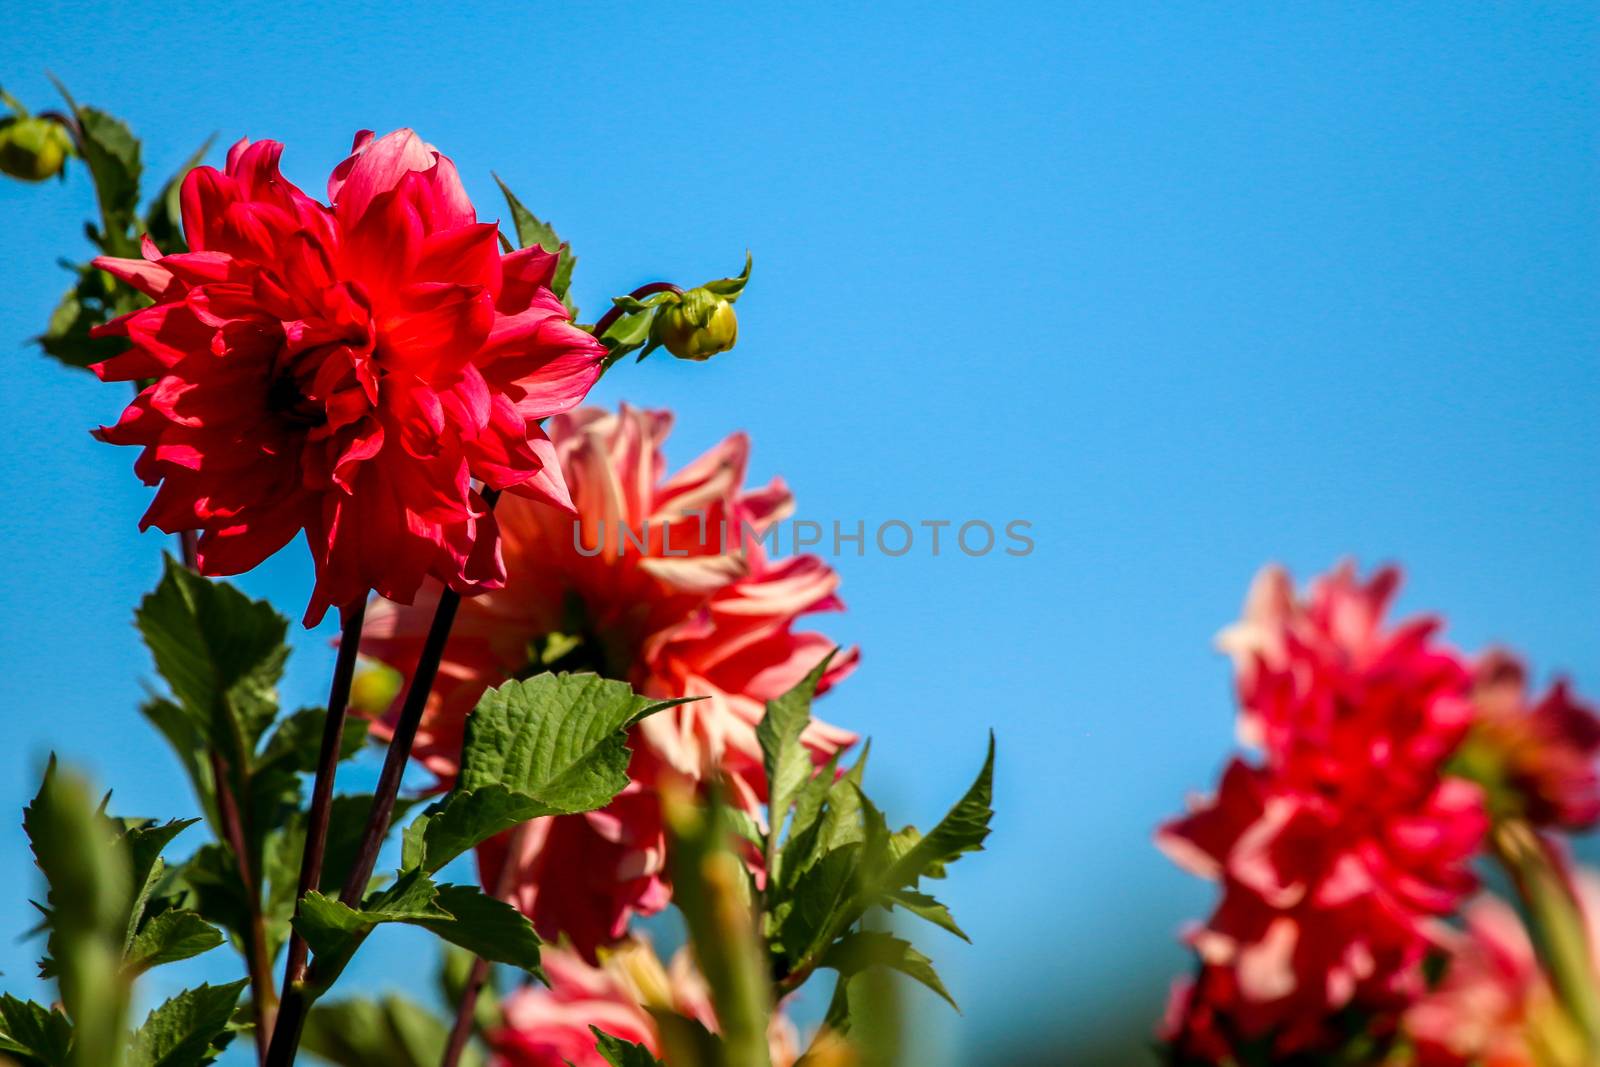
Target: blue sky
[(1189, 287)]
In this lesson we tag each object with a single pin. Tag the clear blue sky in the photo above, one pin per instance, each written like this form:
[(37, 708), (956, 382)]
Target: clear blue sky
[(1188, 286)]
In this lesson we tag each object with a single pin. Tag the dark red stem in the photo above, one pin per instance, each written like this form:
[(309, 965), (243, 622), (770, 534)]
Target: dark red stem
[(296, 1001), (610, 318), (322, 786)]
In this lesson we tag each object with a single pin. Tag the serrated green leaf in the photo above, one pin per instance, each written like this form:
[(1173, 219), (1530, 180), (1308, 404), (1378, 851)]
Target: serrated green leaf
[(553, 744), (85, 862), (485, 927), (619, 1053), (210, 884), (297, 741), (962, 830), (145, 844), (787, 762), (838, 823), (531, 230), (92, 300), (167, 938), (112, 154), (33, 1031), (220, 652), (183, 1031), (861, 949), (926, 907), (462, 915), (813, 908), (468, 818)]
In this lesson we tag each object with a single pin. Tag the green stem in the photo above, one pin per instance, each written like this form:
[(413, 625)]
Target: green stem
[(708, 878), (1559, 932), (258, 958)]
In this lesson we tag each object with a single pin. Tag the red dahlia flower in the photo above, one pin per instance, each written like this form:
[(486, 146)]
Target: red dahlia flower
[(346, 370), (1537, 760), (699, 610), (1338, 854)]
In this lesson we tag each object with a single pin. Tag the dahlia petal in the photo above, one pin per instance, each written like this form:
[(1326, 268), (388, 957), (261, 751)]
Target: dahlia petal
[(465, 254), (373, 168), (152, 279), (435, 329), (525, 272)]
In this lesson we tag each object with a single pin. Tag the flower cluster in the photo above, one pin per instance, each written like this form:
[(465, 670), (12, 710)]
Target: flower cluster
[(1342, 848), (347, 370), (694, 608)]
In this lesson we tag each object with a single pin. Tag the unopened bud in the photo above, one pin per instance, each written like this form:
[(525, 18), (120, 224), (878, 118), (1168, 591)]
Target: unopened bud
[(698, 325), (33, 148)]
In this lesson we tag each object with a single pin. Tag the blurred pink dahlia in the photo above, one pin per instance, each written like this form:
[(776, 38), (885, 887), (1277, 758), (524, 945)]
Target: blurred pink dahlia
[(661, 582)]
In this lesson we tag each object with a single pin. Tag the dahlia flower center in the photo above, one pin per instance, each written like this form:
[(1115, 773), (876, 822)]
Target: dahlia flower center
[(288, 402)]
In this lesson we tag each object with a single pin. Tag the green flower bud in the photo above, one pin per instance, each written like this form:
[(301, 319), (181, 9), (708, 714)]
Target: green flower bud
[(33, 148), (698, 325)]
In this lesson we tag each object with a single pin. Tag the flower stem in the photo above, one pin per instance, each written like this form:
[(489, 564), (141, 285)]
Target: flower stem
[(611, 316), (258, 959), (296, 999), (294, 972), (466, 1011), (1559, 932)]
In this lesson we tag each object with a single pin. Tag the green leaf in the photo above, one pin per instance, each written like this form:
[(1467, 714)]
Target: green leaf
[(629, 332), (962, 830), (145, 844), (925, 907), (33, 1031), (485, 927), (169, 937), (730, 288), (620, 1053), (861, 949), (184, 737), (822, 825), (814, 908), (92, 300), (112, 154), (85, 863), (221, 653), (391, 1032), (210, 883), (787, 761), (297, 742), (462, 915), (186, 1030), (531, 230), (553, 744)]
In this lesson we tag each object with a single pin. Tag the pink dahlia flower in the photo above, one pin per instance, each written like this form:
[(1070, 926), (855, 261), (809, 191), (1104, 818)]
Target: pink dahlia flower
[(700, 610), (1338, 853), (550, 1027), (1493, 1006), (345, 370)]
